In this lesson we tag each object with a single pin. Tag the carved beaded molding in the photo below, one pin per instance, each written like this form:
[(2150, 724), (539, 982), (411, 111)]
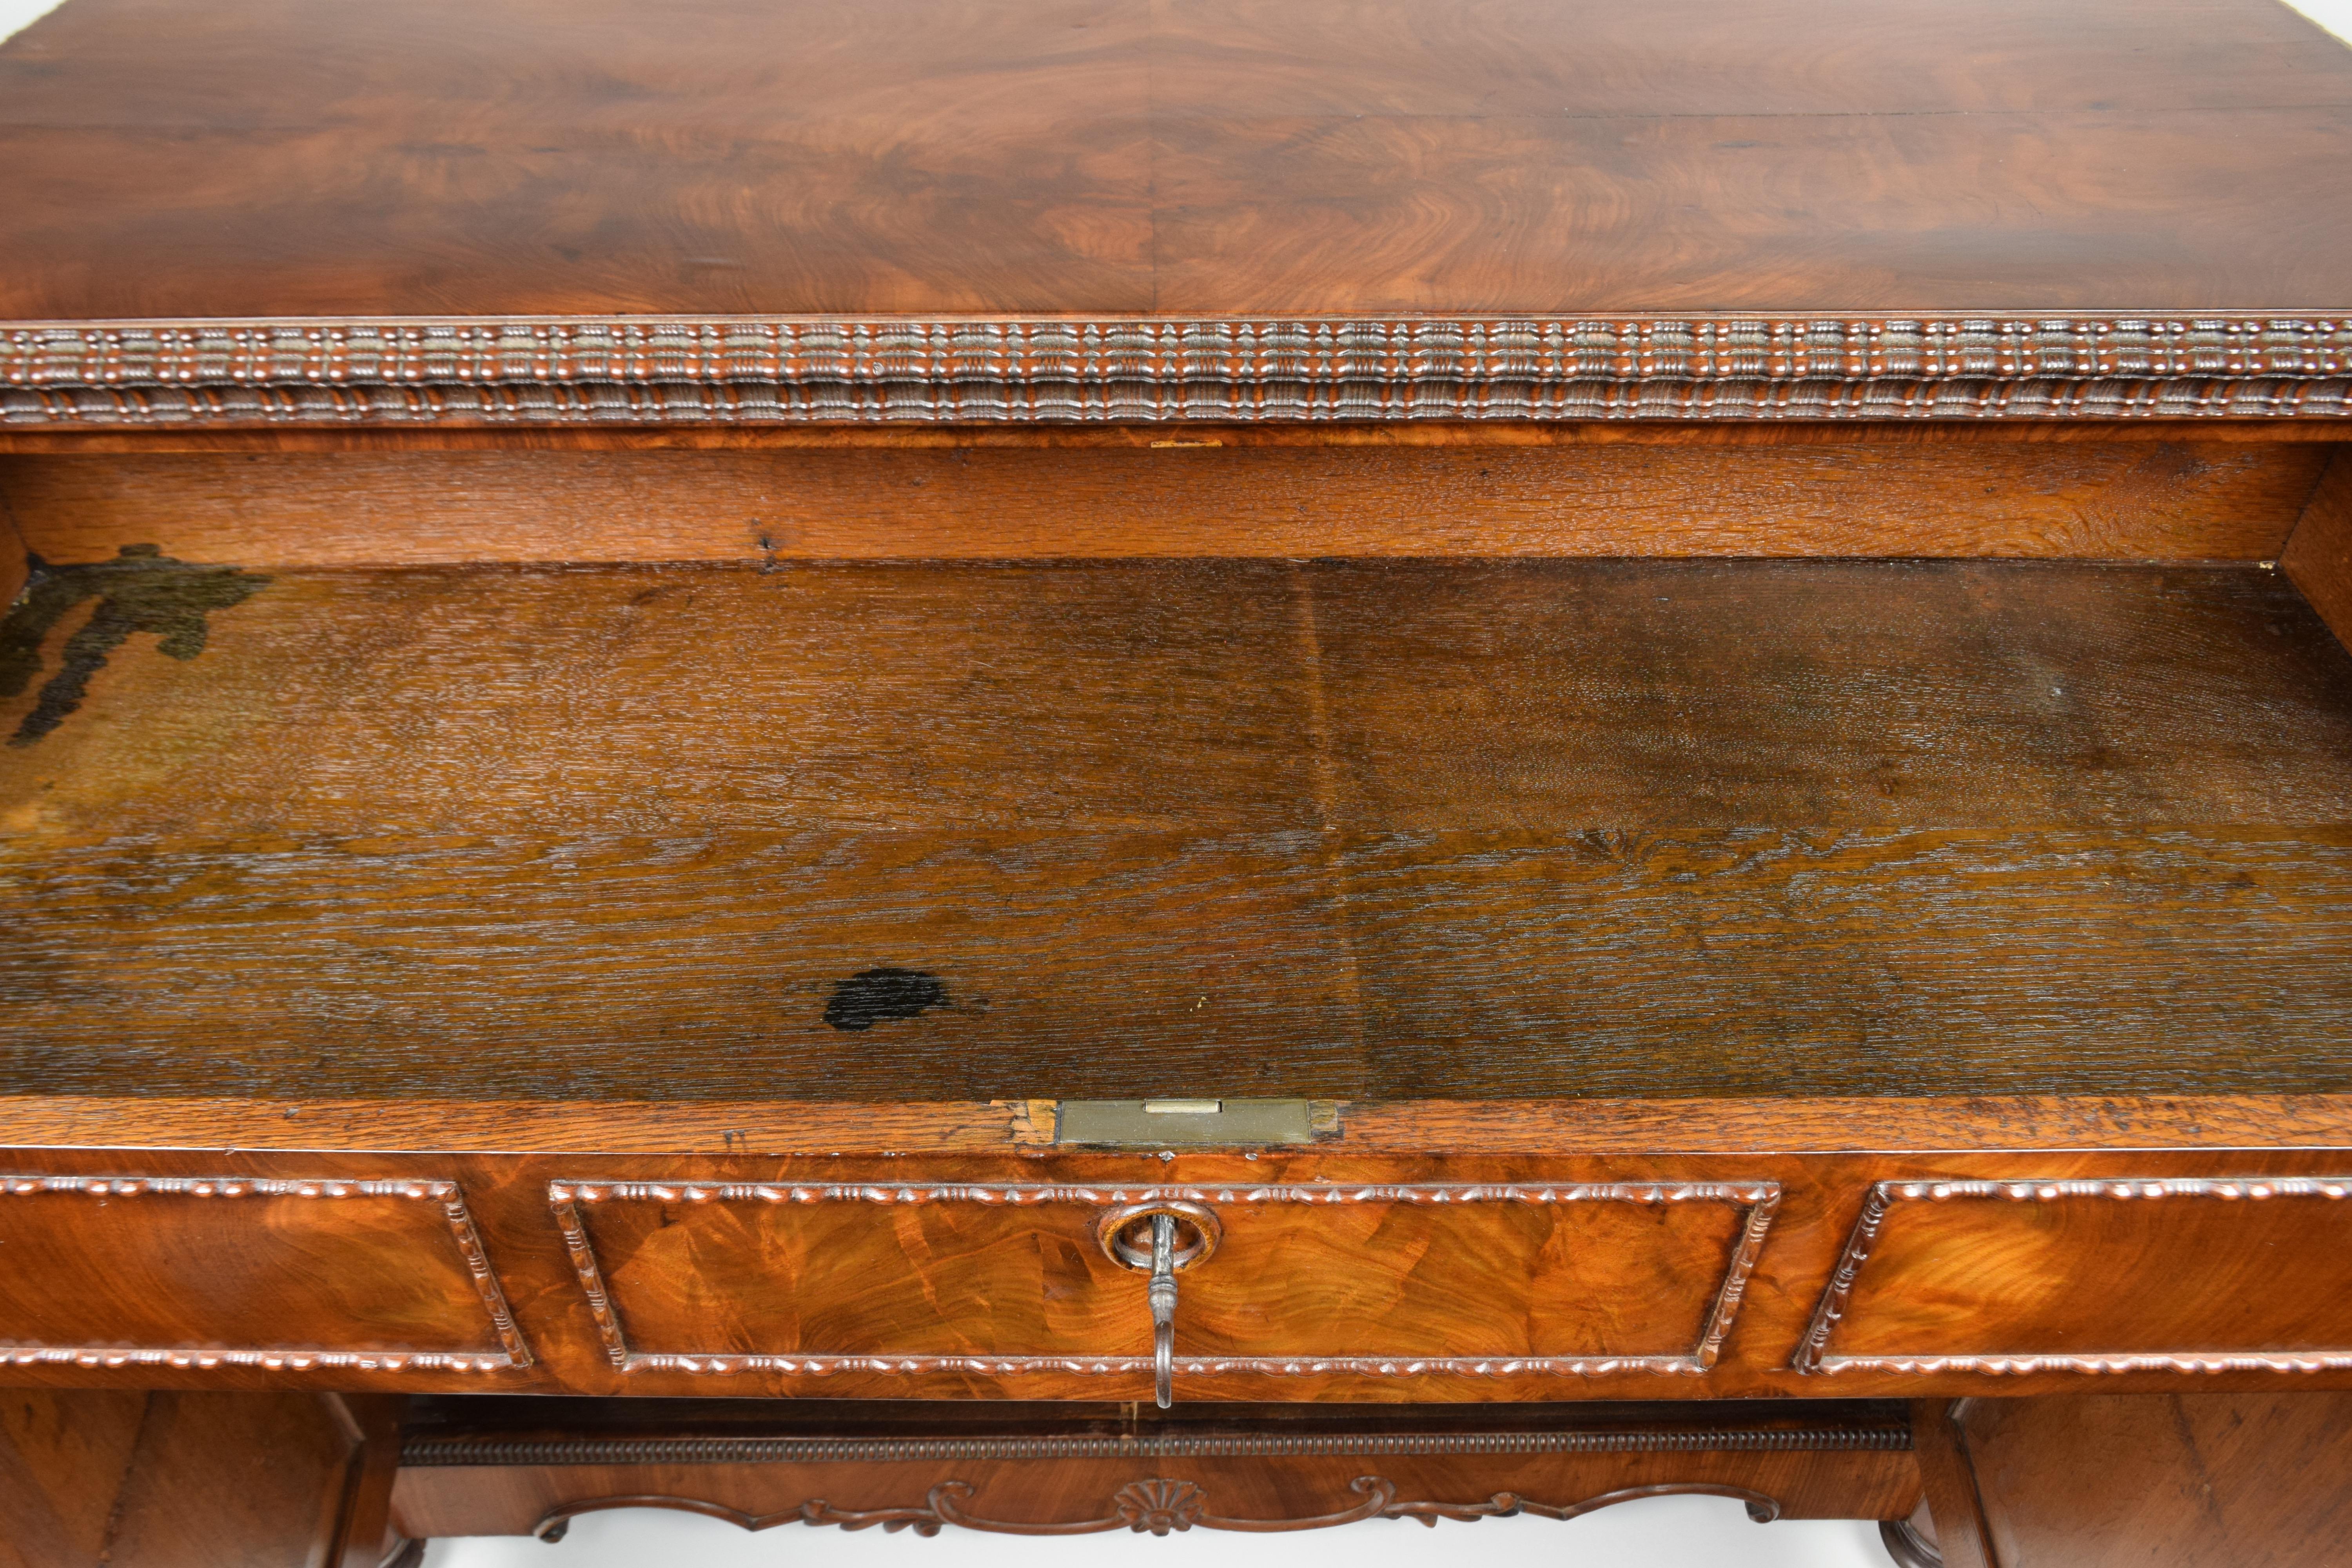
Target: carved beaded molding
[(451, 1201), (465, 1452), (1156, 1506), (644, 370), (1813, 1353), (1760, 1199)]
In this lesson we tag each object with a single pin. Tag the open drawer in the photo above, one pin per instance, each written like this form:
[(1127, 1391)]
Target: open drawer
[(618, 779)]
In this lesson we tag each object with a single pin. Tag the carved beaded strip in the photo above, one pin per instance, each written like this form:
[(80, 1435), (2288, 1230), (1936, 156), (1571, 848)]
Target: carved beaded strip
[(1760, 1198), (461, 1452), (826, 1365), (582, 371), (515, 1352), (1023, 1193), (1812, 1353)]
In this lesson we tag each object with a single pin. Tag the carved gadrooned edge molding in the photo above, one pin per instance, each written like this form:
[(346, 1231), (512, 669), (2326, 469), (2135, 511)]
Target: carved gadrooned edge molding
[(1760, 1199), (1158, 1506), (1812, 1353), (445, 1453), (588, 371), (516, 1352)]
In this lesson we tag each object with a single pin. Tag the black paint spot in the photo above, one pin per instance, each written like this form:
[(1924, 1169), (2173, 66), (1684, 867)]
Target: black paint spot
[(871, 995), (143, 591)]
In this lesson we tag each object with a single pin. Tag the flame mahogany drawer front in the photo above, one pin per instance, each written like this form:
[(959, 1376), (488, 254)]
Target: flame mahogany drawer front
[(1014, 1280), (204, 1273), (1806, 1278), (2102, 1277)]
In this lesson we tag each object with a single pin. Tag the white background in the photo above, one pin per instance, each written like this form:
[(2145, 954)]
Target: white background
[(1656, 1533)]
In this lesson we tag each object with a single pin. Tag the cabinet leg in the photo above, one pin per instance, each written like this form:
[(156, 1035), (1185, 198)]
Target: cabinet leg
[(1941, 1446)]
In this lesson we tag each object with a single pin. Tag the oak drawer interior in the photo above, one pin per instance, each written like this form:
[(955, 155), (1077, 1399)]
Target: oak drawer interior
[(965, 774)]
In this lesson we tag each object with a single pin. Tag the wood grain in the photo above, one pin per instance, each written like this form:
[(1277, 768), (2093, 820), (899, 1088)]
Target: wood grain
[(16, 566), (1565, 1280), (364, 1535), (1382, 1263), (2207, 429), (1123, 158), (771, 1127), (224, 1271), (98, 1479), (2189, 1481), (1200, 697), (65, 1459), (484, 1467), (1770, 962), (1667, 212), (2093, 1277), (1525, 696), (2318, 554), (1107, 968), (1948, 1482), (1351, 831), (2128, 501)]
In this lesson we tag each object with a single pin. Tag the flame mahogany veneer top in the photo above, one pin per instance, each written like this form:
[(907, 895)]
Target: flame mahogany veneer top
[(1205, 159)]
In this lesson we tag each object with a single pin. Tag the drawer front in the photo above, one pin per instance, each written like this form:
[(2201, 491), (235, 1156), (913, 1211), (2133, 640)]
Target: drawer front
[(132, 1271), (2116, 1275), (1007, 1279)]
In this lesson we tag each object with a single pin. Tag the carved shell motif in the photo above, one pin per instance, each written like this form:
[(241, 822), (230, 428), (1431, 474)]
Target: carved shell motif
[(1159, 1505)]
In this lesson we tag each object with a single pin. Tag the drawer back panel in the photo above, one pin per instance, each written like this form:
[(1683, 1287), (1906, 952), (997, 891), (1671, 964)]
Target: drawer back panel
[(1199, 494)]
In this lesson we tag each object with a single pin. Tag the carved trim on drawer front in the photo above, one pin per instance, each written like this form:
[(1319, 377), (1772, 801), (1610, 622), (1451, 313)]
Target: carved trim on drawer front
[(1158, 1506), (1812, 1355), (448, 1194), (1761, 1199), (744, 370), (1019, 1193)]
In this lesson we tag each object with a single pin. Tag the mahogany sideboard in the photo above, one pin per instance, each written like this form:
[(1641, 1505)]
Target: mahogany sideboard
[(1526, 752)]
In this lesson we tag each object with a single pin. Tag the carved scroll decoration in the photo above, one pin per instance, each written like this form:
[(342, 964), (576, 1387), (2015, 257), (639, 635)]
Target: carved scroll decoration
[(1157, 1507), (1813, 1353), (515, 1351), (1760, 1199), (748, 370)]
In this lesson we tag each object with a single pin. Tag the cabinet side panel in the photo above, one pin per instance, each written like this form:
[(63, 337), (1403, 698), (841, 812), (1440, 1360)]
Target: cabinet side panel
[(2099, 1481), (160, 1479), (2318, 554), (16, 566)]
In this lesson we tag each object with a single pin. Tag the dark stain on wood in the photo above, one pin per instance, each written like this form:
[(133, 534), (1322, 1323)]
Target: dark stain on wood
[(1412, 829), (143, 589), (872, 996)]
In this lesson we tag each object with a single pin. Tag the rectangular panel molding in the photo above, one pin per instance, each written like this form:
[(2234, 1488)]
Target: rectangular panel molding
[(2132, 1274), (308, 1273), (735, 1270)]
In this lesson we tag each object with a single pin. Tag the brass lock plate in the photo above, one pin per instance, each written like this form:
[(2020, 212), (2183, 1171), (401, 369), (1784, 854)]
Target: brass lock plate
[(1194, 1123)]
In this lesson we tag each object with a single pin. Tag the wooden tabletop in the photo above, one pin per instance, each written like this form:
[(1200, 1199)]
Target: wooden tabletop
[(1181, 161), (1183, 158)]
